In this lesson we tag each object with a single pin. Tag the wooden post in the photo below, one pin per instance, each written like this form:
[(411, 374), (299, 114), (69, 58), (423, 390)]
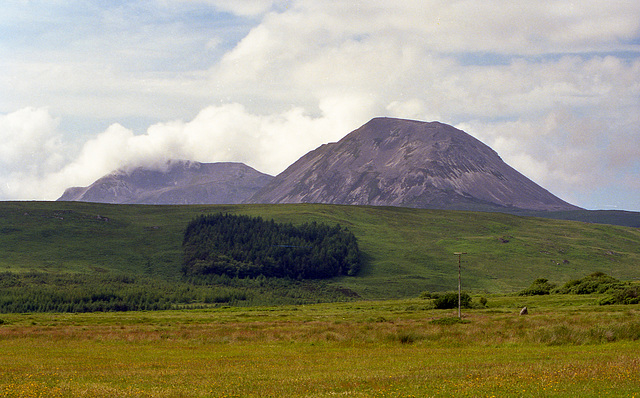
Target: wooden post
[(459, 254)]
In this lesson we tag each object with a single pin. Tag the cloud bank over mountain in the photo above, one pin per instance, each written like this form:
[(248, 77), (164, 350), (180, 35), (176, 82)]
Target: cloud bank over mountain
[(552, 86)]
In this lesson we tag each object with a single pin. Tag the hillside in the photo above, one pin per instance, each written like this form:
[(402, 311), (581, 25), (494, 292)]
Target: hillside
[(407, 251), (408, 163)]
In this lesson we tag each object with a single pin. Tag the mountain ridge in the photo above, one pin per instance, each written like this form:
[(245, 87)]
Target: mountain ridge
[(385, 162), (175, 182)]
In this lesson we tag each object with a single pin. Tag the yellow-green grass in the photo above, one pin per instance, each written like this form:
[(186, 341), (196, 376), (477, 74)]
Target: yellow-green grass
[(564, 347)]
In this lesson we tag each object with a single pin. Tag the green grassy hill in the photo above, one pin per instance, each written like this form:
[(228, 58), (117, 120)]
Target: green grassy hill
[(407, 251)]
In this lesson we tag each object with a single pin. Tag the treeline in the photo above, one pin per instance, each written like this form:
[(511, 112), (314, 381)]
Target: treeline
[(596, 283), (243, 246), (45, 292)]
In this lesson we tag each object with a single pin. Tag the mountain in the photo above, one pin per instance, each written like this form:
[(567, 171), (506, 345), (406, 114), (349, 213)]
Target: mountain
[(177, 182), (396, 162)]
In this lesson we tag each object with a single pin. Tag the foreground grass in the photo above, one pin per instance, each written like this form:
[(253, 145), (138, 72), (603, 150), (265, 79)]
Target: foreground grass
[(565, 347)]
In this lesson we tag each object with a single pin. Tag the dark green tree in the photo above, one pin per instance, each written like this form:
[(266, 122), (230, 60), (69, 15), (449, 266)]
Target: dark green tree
[(243, 246)]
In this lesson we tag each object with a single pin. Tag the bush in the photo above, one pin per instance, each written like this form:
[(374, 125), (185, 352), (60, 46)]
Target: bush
[(450, 300), (597, 282), (629, 295), (539, 287)]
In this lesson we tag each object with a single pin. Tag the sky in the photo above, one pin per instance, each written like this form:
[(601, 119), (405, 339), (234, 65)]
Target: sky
[(87, 87)]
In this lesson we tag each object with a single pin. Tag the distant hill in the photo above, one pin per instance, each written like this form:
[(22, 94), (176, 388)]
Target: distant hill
[(613, 217), (396, 162), (178, 182)]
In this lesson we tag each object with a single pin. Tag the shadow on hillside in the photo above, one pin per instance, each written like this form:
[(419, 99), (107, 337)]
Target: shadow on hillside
[(366, 266)]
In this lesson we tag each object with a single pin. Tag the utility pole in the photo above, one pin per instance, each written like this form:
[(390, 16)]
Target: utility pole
[(459, 254)]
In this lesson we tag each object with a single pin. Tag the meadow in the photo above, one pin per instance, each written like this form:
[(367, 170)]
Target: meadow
[(566, 346)]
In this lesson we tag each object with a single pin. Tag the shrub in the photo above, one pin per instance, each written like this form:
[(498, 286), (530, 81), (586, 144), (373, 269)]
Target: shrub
[(597, 282), (539, 287), (629, 295), (450, 300)]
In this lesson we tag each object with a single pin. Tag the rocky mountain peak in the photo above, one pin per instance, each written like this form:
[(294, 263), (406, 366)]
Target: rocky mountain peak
[(408, 163)]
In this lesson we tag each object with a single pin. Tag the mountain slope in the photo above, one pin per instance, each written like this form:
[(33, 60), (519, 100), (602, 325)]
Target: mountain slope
[(406, 251), (408, 163), (180, 182)]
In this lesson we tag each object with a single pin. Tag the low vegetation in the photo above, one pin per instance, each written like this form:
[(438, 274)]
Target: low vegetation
[(77, 293), (597, 282), (539, 287), (626, 295), (618, 292), (443, 301)]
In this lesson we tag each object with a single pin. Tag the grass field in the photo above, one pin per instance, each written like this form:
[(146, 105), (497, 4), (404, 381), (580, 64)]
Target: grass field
[(567, 346), (369, 346), (407, 251)]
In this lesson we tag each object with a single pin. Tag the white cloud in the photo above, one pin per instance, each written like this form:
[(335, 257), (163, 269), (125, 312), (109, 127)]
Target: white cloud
[(112, 60), (369, 53), (29, 138), (31, 148), (247, 8), (569, 154), (145, 61), (218, 133), (548, 26)]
